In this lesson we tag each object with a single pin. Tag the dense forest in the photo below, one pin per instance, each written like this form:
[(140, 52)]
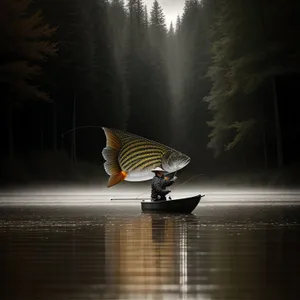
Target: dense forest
[(220, 85)]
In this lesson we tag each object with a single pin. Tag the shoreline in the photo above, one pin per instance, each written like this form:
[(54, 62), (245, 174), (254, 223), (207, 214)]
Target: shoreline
[(56, 169)]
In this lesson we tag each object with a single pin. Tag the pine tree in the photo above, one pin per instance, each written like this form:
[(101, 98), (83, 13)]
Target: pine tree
[(158, 29), (134, 68), (25, 46), (178, 25), (146, 16), (117, 19), (89, 74), (145, 78), (232, 119), (171, 32), (249, 68), (174, 81)]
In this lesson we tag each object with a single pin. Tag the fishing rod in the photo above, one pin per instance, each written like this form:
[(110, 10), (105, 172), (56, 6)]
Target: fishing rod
[(75, 128), (137, 198), (175, 187), (188, 180), (79, 127)]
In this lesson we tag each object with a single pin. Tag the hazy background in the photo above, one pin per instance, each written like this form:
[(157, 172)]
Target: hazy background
[(220, 85), (172, 9)]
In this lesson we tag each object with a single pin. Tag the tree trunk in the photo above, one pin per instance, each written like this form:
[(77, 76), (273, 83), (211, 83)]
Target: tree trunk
[(62, 143), (54, 128), (10, 131), (277, 125), (265, 145), (42, 139), (274, 92), (74, 131), (264, 137), (41, 133)]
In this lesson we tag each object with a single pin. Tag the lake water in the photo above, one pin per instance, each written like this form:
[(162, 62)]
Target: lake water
[(245, 248)]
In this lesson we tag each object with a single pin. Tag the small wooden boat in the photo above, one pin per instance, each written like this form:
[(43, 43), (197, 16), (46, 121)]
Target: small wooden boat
[(183, 205)]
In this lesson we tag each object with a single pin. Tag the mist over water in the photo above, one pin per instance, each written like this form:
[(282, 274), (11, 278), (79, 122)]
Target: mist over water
[(76, 195)]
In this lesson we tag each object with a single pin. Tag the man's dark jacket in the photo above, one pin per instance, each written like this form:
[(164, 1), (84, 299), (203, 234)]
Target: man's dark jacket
[(158, 186)]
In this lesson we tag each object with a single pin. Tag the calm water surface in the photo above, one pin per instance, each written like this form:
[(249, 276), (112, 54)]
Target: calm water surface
[(113, 251)]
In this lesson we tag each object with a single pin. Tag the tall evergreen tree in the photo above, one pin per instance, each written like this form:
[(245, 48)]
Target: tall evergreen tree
[(25, 44), (247, 69), (144, 78), (88, 76), (117, 19), (174, 78), (178, 25), (158, 29), (146, 16)]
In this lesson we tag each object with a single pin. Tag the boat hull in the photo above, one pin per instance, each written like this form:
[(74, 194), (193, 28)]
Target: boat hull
[(183, 205)]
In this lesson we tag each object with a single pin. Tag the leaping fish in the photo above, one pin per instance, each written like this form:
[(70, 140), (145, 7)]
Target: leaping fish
[(130, 157)]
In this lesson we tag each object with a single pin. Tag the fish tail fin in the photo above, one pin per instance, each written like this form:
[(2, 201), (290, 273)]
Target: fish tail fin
[(116, 178), (110, 153)]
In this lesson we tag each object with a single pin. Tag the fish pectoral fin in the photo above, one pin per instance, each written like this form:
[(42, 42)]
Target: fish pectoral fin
[(116, 178)]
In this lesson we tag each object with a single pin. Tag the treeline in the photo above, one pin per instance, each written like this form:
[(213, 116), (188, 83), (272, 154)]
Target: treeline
[(219, 82)]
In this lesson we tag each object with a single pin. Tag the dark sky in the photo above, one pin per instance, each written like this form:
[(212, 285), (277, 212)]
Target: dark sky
[(171, 8)]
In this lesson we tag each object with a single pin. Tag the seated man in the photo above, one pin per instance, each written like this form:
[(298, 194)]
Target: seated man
[(159, 184)]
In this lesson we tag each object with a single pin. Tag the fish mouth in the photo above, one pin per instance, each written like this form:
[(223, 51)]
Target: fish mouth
[(183, 163), (186, 161)]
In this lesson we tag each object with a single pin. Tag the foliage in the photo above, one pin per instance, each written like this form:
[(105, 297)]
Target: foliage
[(25, 45), (247, 55)]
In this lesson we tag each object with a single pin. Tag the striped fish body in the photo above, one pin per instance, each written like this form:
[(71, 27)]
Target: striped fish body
[(139, 156), (131, 158)]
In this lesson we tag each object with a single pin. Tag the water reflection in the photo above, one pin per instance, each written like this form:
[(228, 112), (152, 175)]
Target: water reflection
[(148, 254), (81, 254), (158, 228), (144, 253)]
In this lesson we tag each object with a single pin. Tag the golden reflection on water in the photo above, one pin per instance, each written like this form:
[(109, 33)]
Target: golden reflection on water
[(142, 252), (146, 255)]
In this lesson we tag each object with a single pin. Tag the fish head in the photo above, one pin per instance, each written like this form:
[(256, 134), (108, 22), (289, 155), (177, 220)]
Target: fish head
[(173, 161)]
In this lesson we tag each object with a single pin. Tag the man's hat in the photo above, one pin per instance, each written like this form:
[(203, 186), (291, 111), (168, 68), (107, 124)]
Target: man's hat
[(158, 169)]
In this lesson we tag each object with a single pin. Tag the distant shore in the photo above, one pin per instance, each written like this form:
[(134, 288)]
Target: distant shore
[(58, 169)]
